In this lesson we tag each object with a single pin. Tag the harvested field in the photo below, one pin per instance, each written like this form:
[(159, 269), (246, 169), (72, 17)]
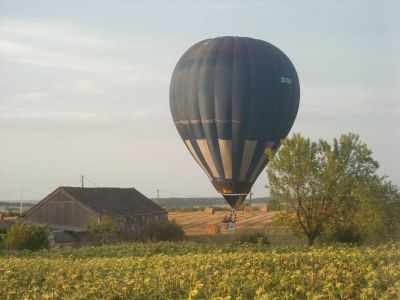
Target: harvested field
[(195, 222)]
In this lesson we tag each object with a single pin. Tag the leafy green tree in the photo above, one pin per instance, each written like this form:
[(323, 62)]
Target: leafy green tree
[(27, 236), (318, 180), (374, 214), (391, 195), (294, 175)]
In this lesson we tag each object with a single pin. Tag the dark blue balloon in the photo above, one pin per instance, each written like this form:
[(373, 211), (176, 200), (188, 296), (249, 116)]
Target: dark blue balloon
[(232, 98)]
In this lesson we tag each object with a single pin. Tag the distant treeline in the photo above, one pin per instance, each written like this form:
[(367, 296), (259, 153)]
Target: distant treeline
[(193, 202), (16, 203), (167, 202)]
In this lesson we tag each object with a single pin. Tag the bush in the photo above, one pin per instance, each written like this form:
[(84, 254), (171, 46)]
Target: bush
[(3, 239), (159, 231), (251, 237), (274, 205), (185, 209), (219, 208), (11, 214), (27, 236), (104, 232), (192, 209), (340, 234)]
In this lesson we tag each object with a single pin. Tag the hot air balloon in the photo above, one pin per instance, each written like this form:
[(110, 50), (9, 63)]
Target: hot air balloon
[(232, 99)]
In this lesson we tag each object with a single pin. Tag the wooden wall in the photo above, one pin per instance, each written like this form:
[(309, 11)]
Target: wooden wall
[(133, 222), (61, 211)]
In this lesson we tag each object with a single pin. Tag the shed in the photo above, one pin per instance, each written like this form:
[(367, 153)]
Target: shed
[(73, 208), (5, 224), (61, 238)]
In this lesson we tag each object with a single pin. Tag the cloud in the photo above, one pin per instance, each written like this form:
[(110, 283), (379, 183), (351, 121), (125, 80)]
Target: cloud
[(54, 45), (33, 96), (19, 115), (10, 47), (54, 33), (350, 100), (52, 57), (133, 78), (52, 120), (88, 87)]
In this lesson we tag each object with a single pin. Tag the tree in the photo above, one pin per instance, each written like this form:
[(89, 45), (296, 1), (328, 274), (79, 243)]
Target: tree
[(316, 179), (103, 232), (391, 195), (374, 213), (27, 236)]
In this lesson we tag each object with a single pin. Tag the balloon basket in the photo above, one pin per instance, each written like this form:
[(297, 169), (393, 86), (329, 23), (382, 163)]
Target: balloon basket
[(230, 217)]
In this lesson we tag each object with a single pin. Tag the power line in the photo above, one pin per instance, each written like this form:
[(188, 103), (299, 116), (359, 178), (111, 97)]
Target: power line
[(150, 193), (179, 194), (19, 190), (9, 192), (29, 191), (91, 181)]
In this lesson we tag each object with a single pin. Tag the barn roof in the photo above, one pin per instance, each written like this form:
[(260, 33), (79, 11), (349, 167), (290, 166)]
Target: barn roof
[(114, 201)]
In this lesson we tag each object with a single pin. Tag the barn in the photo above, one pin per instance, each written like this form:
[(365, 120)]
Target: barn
[(73, 208)]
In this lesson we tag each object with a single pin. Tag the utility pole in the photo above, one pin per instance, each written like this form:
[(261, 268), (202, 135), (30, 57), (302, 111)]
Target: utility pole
[(82, 179), (158, 196), (251, 193)]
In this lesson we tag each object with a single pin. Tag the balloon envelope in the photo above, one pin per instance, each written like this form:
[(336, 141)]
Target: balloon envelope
[(232, 99)]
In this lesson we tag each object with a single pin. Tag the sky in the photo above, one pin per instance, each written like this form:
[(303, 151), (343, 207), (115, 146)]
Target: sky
[(84, 85)]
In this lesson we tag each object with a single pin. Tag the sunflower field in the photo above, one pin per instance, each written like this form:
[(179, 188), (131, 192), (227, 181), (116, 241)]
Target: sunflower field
[(188, 270)]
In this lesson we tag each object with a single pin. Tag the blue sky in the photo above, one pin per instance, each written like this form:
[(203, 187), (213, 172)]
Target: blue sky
[(84, 85)]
